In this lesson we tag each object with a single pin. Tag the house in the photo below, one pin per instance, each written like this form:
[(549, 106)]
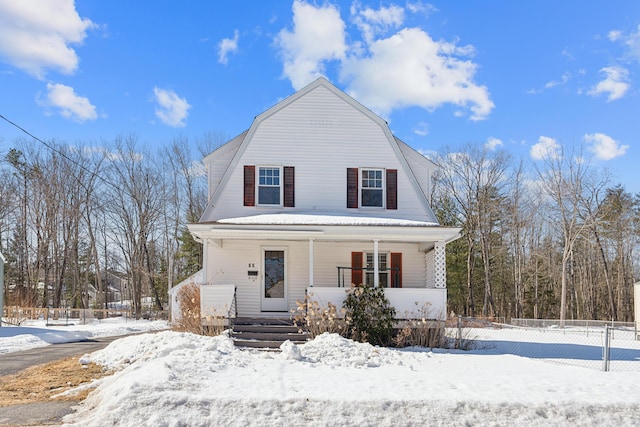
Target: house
[(315, 196)]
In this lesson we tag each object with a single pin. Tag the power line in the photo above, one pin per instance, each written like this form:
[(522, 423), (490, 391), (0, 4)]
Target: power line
[(80, 165), (56, 150)]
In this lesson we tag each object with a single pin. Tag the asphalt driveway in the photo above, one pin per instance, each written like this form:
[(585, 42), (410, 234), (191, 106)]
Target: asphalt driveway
[(43, 413)]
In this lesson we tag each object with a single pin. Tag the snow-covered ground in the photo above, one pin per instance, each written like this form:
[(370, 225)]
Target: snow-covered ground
[(35, 333), (515, 379)]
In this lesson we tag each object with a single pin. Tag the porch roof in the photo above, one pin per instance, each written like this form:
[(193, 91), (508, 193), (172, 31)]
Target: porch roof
[(324, 227)]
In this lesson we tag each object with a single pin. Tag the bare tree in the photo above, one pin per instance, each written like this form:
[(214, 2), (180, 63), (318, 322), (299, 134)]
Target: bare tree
[(563, 179), (135, 207), (474, 177)]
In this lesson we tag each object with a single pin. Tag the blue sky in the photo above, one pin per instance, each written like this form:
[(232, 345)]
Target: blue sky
[(528, 77)]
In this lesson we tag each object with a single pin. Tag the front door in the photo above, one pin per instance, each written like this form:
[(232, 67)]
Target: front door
[(274, 283)]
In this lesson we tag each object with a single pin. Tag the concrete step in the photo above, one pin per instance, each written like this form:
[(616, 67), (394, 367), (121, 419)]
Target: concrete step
[(263, 321), (263, 345), (277, 329), (265, 333), (282, 337)]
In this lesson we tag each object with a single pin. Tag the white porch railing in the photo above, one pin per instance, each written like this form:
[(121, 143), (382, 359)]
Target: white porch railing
[(410, 303)]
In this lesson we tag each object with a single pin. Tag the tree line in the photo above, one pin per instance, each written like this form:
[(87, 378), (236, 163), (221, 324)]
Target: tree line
[(78, 223), (554, 239)]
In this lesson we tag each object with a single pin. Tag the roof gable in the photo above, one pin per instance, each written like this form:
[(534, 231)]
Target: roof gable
[(403, 154)]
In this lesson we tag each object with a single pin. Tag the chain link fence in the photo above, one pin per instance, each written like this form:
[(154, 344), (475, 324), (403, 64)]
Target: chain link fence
[(606, 346)]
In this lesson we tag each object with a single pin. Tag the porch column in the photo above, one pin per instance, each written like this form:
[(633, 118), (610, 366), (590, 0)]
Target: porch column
[(440, 265), (310, 262), (205, 261), (376, 278)]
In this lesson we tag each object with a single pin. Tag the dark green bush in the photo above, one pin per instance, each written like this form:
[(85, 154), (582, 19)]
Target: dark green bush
[(369, 315)]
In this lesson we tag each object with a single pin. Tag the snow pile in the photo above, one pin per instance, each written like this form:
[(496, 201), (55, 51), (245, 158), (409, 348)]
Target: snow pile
[(35, 333), (178, 379)]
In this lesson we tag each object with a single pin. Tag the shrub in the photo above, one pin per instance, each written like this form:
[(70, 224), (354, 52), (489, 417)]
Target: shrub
[(422, 333), (421, 329), (317, 320), (191, 319), (189, 302), (369, 315)]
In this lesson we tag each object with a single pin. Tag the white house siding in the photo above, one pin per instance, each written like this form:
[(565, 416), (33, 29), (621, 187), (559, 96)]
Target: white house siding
[(229, 265), (218, 162), (321, 135), (421, 167)]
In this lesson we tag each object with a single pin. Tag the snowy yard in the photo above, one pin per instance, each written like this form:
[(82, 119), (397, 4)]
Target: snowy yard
[(178, 379)]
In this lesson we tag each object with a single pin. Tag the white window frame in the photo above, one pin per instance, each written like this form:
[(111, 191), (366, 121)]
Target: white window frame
[(361, 188), (368, 268), (280, 185)]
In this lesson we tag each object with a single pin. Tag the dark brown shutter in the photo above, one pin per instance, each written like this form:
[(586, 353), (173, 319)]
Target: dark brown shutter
[(356, 268), (249, 185), (396, 269), (289, 187), (352, 188), (392, 189)]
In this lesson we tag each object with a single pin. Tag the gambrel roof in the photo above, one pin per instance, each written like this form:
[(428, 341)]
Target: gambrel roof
[(223, 161)]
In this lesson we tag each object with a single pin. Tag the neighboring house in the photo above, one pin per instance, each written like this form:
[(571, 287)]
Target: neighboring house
[(315, 196)]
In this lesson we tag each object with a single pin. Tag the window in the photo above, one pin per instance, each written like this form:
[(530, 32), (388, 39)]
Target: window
[(383, 270), (376, 188), (371, 187), (269, 187)]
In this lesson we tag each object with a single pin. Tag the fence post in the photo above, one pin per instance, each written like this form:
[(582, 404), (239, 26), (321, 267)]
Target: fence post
[(459, 343), (605, 350)]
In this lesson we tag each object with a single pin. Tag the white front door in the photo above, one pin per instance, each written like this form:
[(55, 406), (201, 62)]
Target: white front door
[(274, 281)]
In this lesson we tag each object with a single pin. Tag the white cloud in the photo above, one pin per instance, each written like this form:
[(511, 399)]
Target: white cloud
[(411, 69), (563, 80), (493, 143), (545, 148), (171, 109), (406, 68), (615, 84), (36, 35), (373, 22), (630, 41), (318, 36), (604, 147), (422, 129), (614, 35), (418, 7), (227, 46), (69, 104)]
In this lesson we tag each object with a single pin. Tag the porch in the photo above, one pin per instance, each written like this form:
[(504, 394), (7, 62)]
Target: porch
[(275, 263), (409, 303)]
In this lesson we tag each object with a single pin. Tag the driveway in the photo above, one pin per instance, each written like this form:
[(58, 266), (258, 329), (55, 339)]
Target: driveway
[(43, 413)]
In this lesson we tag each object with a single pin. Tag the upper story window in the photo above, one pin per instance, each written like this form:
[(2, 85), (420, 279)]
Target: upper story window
[(269, 186), (275, 186), (372, 188)]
